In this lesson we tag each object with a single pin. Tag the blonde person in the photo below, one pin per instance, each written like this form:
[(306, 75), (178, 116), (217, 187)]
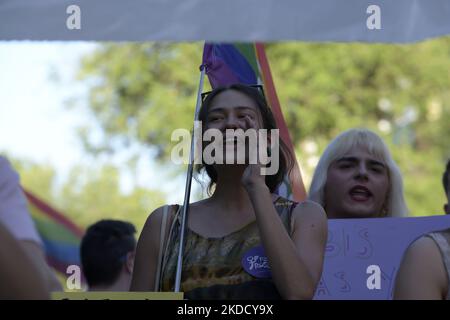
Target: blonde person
[(223, 257), (356, 177)]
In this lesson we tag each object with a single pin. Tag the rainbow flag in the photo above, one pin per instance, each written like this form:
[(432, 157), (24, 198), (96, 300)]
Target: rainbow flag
[(247, 63), (61, 237)]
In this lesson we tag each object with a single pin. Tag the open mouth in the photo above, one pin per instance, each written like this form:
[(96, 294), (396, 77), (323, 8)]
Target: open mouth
[(360, 193)]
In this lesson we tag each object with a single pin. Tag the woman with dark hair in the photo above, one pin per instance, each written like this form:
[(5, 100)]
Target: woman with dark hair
[(243, 242)]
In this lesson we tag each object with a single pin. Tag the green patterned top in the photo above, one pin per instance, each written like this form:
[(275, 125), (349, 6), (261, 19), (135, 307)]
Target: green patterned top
[(212, 266)]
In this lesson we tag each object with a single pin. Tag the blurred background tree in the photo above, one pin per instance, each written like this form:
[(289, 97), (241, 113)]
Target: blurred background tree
[(140, 93), (88, 194)]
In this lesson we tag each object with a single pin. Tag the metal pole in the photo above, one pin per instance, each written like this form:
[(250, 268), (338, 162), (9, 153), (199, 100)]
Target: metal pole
[(187, 192)]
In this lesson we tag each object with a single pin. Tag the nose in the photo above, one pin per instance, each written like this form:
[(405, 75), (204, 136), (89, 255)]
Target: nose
[(232, 122), (362, 172)]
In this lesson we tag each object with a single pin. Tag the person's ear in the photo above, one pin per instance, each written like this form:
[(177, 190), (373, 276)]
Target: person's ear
[(129, 264), (446, 208)]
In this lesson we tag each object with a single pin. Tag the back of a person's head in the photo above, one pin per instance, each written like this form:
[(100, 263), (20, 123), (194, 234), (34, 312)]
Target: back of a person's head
[(342, 144), (104, 249)]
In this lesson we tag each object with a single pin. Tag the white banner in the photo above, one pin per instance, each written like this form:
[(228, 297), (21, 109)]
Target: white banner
[(225, 20)]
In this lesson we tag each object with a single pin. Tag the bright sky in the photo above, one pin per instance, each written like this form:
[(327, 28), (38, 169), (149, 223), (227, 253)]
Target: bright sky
[(32, 106), (35, 122)]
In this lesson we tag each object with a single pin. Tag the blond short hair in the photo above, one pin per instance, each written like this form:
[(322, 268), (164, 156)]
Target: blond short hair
[(395, 206)]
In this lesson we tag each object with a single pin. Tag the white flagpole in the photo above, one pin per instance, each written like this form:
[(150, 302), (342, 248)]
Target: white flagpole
[(187, 192)]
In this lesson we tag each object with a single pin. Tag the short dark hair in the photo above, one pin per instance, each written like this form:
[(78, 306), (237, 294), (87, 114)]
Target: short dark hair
[(445, 176), (104, 248), (286, 160)]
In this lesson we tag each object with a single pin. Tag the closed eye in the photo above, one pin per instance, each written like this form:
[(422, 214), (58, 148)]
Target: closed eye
[(346, 164), (378, 169), (377, 166), (214, 119), (244, 116)]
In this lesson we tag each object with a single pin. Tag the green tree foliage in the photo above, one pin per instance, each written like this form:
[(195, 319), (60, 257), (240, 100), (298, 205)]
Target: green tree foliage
[(325, 88), (141, 92), (88, 194)]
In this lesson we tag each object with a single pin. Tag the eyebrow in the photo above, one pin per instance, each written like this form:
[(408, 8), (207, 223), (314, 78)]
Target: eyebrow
[(241, 108), (354, 159)]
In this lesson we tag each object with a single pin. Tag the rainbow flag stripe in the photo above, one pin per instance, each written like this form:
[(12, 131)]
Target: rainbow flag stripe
[(61, 237)]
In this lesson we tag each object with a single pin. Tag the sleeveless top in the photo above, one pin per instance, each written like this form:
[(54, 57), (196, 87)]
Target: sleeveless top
[(442, 239), (212, 267)]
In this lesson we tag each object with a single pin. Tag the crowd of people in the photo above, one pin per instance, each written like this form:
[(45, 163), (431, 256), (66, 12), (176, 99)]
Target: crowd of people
[(243, 218)]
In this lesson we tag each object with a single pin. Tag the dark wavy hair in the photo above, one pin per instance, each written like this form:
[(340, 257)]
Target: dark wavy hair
[(286, 160)]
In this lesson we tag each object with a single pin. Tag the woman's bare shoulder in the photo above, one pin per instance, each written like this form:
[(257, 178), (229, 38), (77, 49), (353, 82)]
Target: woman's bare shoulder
[(310, 211)]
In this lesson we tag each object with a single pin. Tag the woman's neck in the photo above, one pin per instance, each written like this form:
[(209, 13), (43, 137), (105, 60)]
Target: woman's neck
[(229, 191)]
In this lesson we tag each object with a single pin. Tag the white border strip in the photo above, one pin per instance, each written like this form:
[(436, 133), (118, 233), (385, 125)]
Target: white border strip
[(225, 20)]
